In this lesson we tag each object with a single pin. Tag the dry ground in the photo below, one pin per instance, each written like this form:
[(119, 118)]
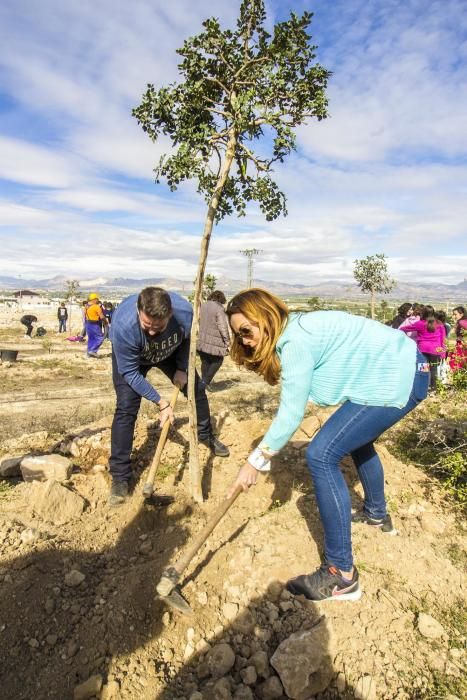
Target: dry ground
[(54, 636)]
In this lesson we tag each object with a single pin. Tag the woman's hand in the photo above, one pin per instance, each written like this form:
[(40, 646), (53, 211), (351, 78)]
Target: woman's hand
[(246, 477)]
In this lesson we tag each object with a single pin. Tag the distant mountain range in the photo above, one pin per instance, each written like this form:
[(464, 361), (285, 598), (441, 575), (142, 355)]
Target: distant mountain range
[(119, 286)]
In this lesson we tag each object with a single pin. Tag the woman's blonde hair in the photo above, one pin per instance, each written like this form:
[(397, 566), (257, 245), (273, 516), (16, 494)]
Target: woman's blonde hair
[(270, 314)]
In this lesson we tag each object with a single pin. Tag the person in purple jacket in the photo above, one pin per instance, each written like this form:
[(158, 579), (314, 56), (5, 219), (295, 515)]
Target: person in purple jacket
[(150, 329), (430, 339)]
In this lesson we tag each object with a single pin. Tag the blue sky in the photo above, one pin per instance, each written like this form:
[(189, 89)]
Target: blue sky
[(386, 173)]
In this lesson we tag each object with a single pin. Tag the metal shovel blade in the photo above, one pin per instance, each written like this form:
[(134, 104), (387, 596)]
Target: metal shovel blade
[(176, 601)]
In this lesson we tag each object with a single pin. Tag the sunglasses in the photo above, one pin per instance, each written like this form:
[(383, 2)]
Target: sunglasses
[(244, 332)]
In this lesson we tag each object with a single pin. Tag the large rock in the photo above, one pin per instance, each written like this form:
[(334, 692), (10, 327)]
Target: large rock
[(45, 467), (10, 466), (55, 503), (220, 660), (304, 663)]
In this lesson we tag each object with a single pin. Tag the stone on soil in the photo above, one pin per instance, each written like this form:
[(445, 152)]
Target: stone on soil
[(74, 578), (88, 689), (429, 627), (55, 503), (271, 689), (10, 466), (310, 425), (220, 660), (303, 662), (46, 467)]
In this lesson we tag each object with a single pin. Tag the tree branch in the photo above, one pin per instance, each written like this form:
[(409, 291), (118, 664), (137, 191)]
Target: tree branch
[(260, 164)]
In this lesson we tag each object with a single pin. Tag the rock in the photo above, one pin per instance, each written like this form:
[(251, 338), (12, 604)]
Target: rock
[(49, 605), (33, 643), (74, 578), (10, 466), (271, 689), (110, 691), (261, 663), (230, 611), (202, 598), (88, 689), (51, 640), (303, 662), (249, 675), (221, 690), (55, 503), (196, 696), (203, 646), (46, 467), (341, 683), (431, 524), (244, 622), (30, 535), (243, 693), (365, 688), (188, 652), (310, 425), (429, 627), (220, 660), (145, 547)]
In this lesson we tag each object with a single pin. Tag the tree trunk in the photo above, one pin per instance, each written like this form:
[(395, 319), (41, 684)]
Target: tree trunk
[(195, 474), (372, 303)]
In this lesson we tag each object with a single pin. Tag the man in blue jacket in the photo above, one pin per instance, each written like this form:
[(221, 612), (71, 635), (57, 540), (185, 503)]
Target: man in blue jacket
[(150, 329)]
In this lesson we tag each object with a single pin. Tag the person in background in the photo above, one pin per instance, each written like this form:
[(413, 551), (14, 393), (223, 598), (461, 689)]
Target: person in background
[(107, 309), (412, 317), (62, 315), (150, 329), (441, 317), (458, 356), (403, 312), (374, 373), (82, 335), (430, 339), (214, 336), (28, 320), (94, 318)]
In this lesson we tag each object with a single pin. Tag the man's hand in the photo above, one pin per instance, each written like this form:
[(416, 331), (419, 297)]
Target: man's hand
[(180, 378), (166, 412), (246, 477)]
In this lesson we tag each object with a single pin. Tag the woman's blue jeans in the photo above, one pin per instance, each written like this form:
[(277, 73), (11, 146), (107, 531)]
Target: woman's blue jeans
[(352, 429)]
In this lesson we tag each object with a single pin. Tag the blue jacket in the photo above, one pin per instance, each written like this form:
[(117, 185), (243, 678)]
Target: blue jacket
[(129, 342)]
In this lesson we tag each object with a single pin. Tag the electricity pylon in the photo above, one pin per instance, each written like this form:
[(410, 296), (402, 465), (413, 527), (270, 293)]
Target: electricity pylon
[(250, 253)]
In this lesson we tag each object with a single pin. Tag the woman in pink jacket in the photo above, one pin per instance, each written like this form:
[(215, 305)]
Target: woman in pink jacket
[(431, 340)]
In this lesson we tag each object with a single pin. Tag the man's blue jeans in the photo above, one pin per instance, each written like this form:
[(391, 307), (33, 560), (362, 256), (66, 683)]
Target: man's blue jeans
[(126, 413), (352, 429)]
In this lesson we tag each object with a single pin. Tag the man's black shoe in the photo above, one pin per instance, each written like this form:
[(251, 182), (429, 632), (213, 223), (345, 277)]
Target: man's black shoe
[(118, 493), (216, 446)]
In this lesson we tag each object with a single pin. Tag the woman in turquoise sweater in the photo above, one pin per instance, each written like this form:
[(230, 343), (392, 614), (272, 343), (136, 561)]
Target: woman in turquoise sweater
[(376, 375)]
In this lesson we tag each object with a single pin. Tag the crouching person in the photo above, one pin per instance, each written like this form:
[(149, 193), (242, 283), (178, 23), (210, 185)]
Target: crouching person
[(151, 329)]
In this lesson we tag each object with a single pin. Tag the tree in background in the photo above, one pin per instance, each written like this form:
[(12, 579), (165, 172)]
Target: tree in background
[(209, 285), (72, 291), (372, 276), (244, 92), (314, 303)]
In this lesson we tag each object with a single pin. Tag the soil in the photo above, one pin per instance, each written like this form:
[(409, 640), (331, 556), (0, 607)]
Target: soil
[(55, 636)]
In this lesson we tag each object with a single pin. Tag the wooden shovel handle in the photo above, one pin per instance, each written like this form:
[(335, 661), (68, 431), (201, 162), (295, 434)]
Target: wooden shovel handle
[(201, 538), (149, 485)]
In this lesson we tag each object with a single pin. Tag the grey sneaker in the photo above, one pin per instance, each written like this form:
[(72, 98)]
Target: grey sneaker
[(383, 524), (326, 583), (118, 493)]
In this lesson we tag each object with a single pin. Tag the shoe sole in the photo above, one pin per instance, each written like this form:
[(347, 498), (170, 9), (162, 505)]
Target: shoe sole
[(355, 595), (115, 502)]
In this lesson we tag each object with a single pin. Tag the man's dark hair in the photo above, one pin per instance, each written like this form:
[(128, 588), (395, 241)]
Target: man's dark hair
[(218, 296), (155, 302)]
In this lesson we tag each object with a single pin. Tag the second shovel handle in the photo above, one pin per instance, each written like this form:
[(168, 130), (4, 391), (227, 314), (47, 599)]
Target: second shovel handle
[(149, 485), (201, 538)]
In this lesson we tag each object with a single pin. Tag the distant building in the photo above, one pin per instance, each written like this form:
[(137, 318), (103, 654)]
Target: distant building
[(27, 297)]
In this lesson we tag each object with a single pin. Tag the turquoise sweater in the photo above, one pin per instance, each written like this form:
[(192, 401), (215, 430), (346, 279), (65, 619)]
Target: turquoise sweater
[(329, 357)]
